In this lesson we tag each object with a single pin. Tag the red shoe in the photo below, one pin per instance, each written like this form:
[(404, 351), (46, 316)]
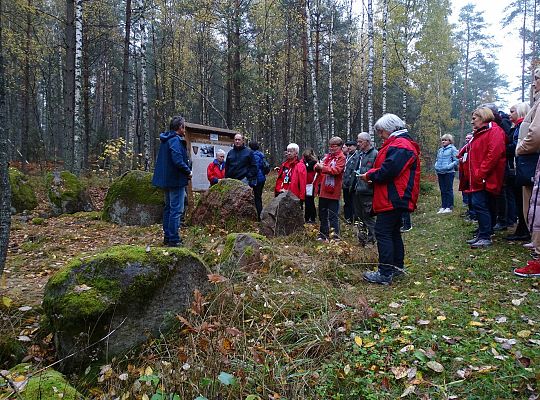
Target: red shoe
[(532, 269)]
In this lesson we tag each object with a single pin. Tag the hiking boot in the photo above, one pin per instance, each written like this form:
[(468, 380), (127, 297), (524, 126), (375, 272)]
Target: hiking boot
[(322, 238), (376, 277), (529, 245), (405, 229), (175, 244), (532, 269), (473, 240), (481, 243), (517, 238), (500, 227), (399, 272)]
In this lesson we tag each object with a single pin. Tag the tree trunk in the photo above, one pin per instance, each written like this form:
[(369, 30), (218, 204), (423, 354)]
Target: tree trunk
[(69, 85), (523, 51), (384, 54), (124, 102), (5, 189), (465, 83), (144, 133), (330, 84), (27, 92), (237, 65), (78, 110), (319, 140), (371, 60), (349, 71)]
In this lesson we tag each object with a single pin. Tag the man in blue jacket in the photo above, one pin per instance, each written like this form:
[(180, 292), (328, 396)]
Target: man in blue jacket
[(240, 163), (172, 173)]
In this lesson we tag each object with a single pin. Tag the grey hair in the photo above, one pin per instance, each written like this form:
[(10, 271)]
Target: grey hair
[(294, 147), (364, 136), (220, 152), (389, 123), (448, 137), (521, 109)]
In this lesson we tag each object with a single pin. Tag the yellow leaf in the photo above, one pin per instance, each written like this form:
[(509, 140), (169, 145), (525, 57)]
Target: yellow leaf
[(6, 301), (441, 318), (148, 371), (369, 344), (358, 340), (475, 323), (347, 369), (145, 397), (19, 378), (524, 334)]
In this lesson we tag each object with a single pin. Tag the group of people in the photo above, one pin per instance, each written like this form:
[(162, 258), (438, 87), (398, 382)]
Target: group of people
[(499, 175)]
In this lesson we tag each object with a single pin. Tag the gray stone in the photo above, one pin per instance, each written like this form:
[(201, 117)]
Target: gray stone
[(243, 250), (126, 294), (283, 216), (227, 202), (132, 200), (67, 194)]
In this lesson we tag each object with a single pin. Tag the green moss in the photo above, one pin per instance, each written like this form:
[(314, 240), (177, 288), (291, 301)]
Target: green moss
[(85, 291), (11, 350), (230, 240), (133, 187), (38, 221), (88, 215), (70, 190), (23, 196)]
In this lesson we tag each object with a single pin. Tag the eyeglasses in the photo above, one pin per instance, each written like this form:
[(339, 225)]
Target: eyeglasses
[(335, 145)]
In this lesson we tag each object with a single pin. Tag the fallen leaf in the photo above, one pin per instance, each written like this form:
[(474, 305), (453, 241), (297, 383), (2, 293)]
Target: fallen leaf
[(441, 318), (6, 301), (216, 278), (123, 377), (24, 308), (408, 391), (81, 288), (347, 369), (423, 322), (23, 338), (501, 320), (399, 372), (524, 333), (394, 305), (517, 302), (435, 366), (476, 323), (407, 348), (358, 340)]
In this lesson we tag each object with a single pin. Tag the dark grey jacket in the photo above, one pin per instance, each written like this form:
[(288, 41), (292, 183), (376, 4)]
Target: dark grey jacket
[(366, 163), (349, 177)]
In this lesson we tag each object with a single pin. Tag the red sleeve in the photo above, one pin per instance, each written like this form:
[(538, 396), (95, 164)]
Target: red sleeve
[(336, 169), (495, 149), (299, 184)]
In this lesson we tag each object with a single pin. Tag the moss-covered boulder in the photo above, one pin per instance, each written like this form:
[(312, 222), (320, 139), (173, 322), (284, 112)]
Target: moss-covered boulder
[(132, 200), (126, 293), (45, 385), (23, 196), (243, 250), (282, 216), (66, 193), (228, 202)]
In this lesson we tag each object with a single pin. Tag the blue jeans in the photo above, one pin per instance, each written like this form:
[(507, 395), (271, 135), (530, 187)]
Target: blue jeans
[(446, 185), (328, 214), (174, 207), (389, 242), (485, 210)]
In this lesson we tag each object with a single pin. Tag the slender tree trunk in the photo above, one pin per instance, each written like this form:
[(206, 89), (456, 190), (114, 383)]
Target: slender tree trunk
[(523, 52), (330, 83), (384, 54), (465, 83), (286, 74), (69, 84), (145, 134), (27, 90), (349, 71), (5, 189), (237, 64), (229, 88), (78, 110), (370, 70), (319, 140), (124, 102), (86, 103)]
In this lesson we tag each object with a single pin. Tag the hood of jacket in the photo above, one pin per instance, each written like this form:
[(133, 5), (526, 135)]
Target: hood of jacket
[(164, 136)]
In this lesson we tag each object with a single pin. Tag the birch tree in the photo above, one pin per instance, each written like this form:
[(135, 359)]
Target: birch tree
[(384, 53), (124, 111), (349, 70), (371, 61), (78, 131), (5, 189), (144, 130), (331, 122)]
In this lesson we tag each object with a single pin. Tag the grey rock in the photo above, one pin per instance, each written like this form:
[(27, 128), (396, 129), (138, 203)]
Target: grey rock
[(283, 216), (67, 194), (243, 250)]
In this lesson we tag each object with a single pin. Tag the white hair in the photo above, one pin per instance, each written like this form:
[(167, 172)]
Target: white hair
[(364, 136), (220, 152), (293, 146), (389, 123)]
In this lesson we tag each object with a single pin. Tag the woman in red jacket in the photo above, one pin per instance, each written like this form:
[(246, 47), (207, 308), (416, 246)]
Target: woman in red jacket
[(292, 174), (216, 169), (484, 172), (329, 179)]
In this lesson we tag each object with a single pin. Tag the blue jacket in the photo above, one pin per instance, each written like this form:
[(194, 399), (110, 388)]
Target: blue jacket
[(172, 169), (446, 159), (240, 164), (259, 157)]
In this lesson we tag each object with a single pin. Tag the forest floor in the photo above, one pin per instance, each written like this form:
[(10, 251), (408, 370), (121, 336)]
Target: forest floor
[(458, 325)]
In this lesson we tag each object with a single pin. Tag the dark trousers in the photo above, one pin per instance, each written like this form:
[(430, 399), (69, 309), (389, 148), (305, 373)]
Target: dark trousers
[(363, 205), (257, 194), (329, 216), (485, 207), (446, 185), (310, 214), (348, 207), (406, 220), (389, 242), (521, 229)]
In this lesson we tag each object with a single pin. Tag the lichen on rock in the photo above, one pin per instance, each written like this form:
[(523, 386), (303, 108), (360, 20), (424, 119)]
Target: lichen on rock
[(23, 196), (133, 200), (126, 290), (243, 250), (66, 193)]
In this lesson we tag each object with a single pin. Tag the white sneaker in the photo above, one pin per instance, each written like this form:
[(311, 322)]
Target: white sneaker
[(529, 245), (446, 211), (441, 210)]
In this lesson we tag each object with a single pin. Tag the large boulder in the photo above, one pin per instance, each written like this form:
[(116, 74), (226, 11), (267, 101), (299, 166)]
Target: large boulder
[(67, 194), (132, 200), (283, 216), (243, 250), (126, 294), (227, 202), (23, 196)]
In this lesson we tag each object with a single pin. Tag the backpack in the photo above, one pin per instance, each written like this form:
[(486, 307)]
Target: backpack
[(266, 168)]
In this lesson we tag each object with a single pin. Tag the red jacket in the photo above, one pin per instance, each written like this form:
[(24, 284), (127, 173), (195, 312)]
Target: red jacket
[(292, 176), (483, 160), (396, 174), (215, 171), (330, 177)]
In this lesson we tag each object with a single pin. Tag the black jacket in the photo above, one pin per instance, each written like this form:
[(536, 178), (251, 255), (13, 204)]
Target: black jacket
[(240, 164)]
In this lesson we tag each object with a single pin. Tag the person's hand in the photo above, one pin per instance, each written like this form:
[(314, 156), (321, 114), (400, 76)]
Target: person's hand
[(318, 166), (364, 177)]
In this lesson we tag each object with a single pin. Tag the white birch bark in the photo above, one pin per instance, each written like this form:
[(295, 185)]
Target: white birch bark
[(331, 122), (371, 57), (78, 109), (349, 70), (315, 97), (145, 134), (384, 54)]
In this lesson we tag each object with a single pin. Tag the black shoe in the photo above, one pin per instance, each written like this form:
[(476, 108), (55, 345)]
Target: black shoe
[(500, 227), (405, 229), (376, 277), (399, 272), (175, 244), (473, 240), (518, 238)]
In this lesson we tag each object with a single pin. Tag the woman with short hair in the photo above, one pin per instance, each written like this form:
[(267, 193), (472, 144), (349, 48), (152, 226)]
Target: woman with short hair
[(445, 166), (216, 169), (292, 174), (484, 172)]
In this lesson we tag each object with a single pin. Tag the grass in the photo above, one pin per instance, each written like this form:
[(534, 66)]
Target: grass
[(306, 326)]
